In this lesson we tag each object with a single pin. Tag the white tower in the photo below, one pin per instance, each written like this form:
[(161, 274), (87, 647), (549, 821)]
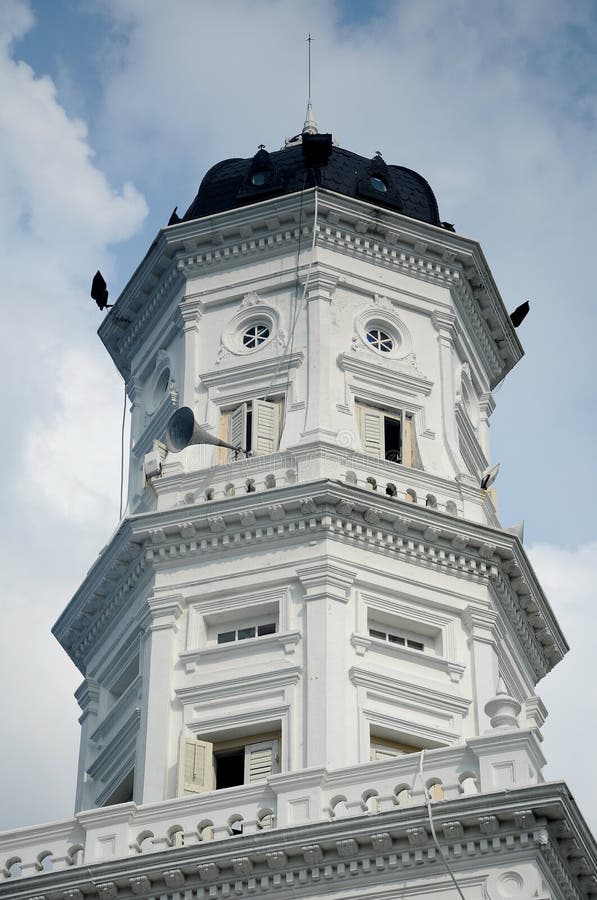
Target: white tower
[(271, 640)]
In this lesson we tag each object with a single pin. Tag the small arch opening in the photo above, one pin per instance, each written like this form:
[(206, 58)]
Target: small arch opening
[(431, 501), (235, 824), (45, 861), (371, 800), (209, 494), (391, 489), (74, 855), (435, 789), (265, 819), (410, 496), (351, 477), (229, 490), (250, 485), (270, 481), (337, 805), (205, 830), (468, 783), (14, 867), (176, 836), (371, 483), (451, 508), (402, 795), (145, 841)]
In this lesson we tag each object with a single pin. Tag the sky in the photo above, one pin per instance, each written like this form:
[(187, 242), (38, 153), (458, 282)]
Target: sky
[(112, 111)]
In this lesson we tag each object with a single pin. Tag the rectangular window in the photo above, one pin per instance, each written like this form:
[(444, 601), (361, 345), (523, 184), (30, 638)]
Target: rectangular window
[(388, 434), (253, 426), (250, 631), (393, 638), (205, 766), (383, 748)]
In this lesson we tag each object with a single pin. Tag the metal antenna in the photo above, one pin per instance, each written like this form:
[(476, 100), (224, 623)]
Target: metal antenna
[(309, 39), (310, 126)]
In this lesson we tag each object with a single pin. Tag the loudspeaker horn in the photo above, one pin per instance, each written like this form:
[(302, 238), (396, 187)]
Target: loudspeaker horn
[(183, 431)]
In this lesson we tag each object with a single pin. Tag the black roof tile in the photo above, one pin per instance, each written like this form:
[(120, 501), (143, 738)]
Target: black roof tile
[(229, 183)]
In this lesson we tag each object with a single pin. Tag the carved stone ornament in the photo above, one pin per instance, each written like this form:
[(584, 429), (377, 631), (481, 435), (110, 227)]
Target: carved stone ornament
[(140, 884), (107, 890), (313, 854), (381, 842), (174, 878), (276, 860), (347, 848), (382, 302), (242, 865), (251, 299), (208, 872), (417, 837), (72, 894)]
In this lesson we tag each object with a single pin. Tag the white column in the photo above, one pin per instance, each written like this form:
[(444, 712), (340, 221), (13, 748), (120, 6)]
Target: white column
[(87, 696), (486, 407), (160, 619), (444, 322), (480, 625), (135, 475), (328, 717), (318, 415)]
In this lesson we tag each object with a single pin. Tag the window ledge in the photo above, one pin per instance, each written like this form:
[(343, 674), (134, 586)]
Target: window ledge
[(362, 644), (286, 639)]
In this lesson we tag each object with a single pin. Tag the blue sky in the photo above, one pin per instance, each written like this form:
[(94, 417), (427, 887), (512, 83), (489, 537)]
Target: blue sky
[(112, 112)]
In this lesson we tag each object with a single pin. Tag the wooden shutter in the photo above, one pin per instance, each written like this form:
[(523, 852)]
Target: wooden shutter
[(237, 430), (371, 428), (261, 760), (195, 767), (265, 427)]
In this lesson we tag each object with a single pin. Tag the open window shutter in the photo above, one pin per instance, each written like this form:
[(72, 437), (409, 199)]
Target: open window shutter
[(261, 760), (371, 426), (265, 427), (238, 428), (195, 768)]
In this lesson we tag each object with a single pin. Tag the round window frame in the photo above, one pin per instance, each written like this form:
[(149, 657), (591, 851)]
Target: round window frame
[(256, 314), (383, 335), (387, 321), (256, 323)]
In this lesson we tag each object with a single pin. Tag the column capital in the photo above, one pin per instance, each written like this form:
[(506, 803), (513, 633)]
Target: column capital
[(322, 285), (480, 623), (161, 613), (325, 580), (190, 312), (443, 321)]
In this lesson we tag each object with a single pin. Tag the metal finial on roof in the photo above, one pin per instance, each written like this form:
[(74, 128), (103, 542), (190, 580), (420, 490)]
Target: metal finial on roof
[(310, 126)]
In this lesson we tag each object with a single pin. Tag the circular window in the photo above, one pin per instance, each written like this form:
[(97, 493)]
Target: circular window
[(255, 335), (260, 178), (377, 184), (379, 340)]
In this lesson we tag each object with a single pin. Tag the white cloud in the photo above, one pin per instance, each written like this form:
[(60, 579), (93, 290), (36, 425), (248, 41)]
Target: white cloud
[(58, 217), (569, 578)]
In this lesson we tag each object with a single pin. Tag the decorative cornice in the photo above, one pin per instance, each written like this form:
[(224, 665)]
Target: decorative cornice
[(380, 849), (383, 524), (391, 240)]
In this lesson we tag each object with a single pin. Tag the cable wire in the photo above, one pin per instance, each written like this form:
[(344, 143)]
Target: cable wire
[(122, 453), (432, 827)]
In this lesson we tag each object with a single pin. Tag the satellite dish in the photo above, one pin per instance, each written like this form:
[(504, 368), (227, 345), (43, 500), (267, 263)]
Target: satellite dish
[(183, 431)]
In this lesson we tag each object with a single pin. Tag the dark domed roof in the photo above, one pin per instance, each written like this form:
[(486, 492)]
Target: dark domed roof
[(238, 182)]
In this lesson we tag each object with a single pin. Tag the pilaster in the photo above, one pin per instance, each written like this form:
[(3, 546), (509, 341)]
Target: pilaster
[(87, 696), (159, 618), (320, 292), (330, 716), (480, 626), (444, 323)]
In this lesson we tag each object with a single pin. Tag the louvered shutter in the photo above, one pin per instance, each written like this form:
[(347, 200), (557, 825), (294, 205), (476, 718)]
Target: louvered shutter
[(195, 769), (238, 428), (265, 427), (371, 426), (261, 760)]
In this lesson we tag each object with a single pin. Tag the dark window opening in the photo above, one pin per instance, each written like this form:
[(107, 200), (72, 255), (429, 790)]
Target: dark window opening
[(124, 791), (244, 633), (396, 639), (249, 428), (230, 768), (260, 178), (377, 184), (270, 628), (225, 637), (392, 441)]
